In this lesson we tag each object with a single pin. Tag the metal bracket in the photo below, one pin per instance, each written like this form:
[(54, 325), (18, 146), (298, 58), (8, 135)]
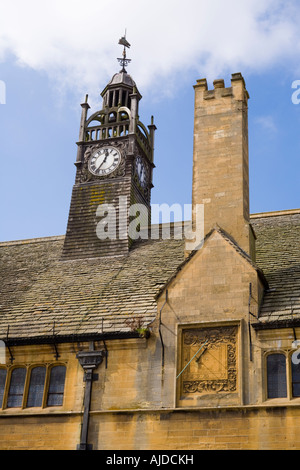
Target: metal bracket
[(54, 343), (8, 347)]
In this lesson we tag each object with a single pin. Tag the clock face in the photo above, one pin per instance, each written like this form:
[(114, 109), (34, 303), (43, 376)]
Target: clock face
[(104, 161), (141, 171)]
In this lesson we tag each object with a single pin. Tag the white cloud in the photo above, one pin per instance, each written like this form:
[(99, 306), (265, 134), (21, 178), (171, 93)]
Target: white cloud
[(75, 42), (267, 123)]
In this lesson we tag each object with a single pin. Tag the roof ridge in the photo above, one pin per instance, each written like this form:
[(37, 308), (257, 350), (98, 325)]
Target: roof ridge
[(174, 224), (274, 213), (32, 240)]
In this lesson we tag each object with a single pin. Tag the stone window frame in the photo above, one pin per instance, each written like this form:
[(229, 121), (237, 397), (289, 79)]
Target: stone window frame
[(3, 390), (29, 373), (9, 395), (29, 368), (287, 353), (48, 383)]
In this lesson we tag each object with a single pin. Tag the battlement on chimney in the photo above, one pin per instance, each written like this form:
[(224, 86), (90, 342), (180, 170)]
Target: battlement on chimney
[(237, 90)]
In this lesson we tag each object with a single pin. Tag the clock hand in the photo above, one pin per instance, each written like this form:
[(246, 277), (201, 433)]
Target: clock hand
[(105, 158), (102, 163)]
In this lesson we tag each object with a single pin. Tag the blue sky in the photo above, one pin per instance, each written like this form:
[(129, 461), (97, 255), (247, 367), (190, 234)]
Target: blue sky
[(52, 54)]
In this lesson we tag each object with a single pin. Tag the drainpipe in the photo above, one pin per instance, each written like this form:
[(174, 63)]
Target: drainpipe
[(160, 335), (89, 361)]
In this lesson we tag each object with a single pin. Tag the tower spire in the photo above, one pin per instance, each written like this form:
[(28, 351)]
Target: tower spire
[(123, 60)]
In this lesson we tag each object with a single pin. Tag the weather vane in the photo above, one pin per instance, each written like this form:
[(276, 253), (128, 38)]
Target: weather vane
[(124, 61)]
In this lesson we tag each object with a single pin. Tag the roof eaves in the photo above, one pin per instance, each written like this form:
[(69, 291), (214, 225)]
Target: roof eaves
[(70, 338)]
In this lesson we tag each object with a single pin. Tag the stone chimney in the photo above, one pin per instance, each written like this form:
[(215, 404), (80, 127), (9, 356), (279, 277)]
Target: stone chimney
[(220, 159)]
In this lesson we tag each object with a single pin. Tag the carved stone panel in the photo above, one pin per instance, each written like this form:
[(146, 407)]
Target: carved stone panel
[(209, 360)]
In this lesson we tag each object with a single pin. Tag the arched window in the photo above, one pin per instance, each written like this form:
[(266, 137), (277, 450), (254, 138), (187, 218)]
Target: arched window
[(123, 116), (36, 386), (56, 386), (16, 388), (112, 117), (276, 376), (2, 384)]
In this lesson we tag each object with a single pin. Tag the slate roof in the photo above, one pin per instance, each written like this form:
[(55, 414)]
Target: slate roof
[(39, 292), (81, 296), (278, 254)]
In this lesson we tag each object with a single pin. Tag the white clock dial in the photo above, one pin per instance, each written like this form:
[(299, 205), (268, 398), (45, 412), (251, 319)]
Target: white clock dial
[(104, 161)]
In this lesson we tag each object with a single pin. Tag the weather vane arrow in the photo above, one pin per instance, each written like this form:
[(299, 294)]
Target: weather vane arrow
[(123, 41), (124, 61)]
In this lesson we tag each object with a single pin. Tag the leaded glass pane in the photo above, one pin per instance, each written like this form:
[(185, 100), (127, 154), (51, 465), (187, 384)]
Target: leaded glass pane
[(2, 384), (276, 374), (16, 388), (296, 377), (36, 387), (56, 386)]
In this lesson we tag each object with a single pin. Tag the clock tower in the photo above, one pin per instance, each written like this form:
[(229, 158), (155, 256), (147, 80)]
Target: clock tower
[(113, 171)]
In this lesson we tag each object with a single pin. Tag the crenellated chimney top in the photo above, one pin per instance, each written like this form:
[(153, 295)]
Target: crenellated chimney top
[(220, 159)]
